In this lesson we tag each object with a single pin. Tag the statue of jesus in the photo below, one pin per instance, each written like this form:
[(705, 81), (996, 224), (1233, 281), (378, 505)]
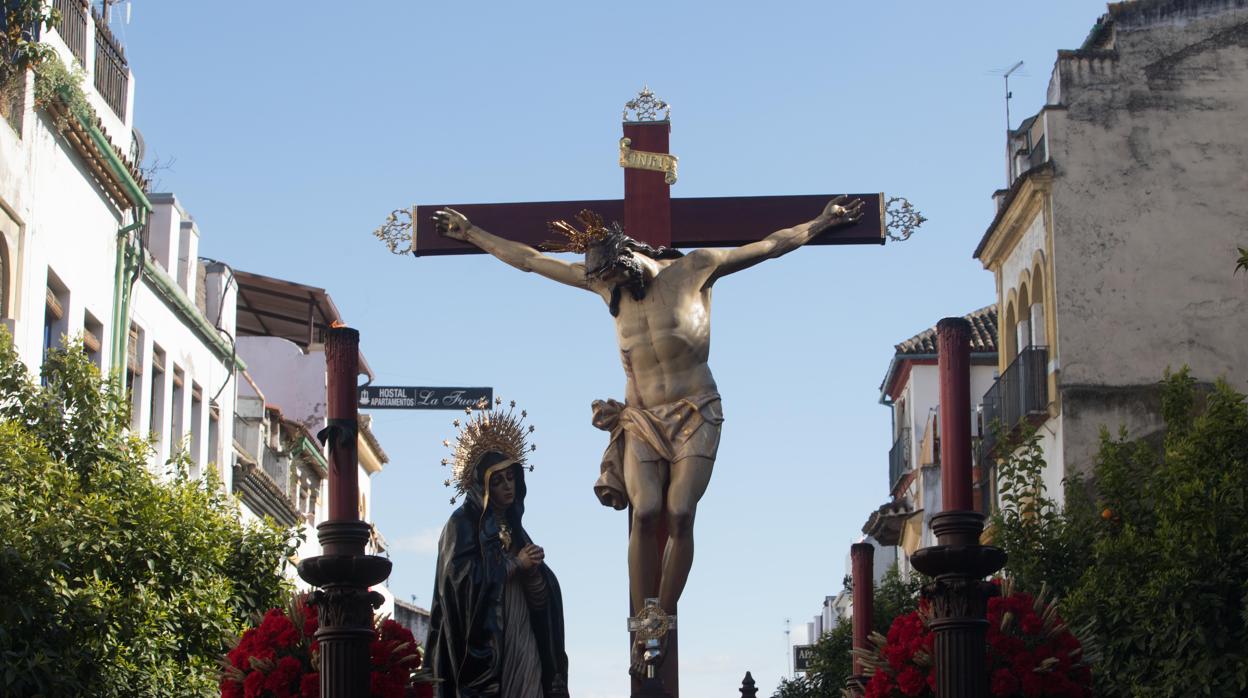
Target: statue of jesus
[(666, 432)]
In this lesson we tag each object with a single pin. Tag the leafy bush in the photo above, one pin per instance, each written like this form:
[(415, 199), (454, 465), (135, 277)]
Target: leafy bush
[(1151, 556), (1166, 595), (57, 84), (1048, 546), (113, 581)]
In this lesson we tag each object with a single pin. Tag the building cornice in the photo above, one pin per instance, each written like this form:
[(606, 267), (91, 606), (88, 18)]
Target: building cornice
[(1023, 198)]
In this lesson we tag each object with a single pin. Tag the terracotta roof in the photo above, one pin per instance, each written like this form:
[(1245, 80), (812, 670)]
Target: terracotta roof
[(983, 335)]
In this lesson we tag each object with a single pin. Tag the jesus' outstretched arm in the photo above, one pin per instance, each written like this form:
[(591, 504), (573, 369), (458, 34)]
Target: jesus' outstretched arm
[(840, 211), (455, 225)]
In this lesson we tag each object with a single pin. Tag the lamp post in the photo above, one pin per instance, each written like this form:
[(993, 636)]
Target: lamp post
[(343, 573), (862, 562), (958, 563)]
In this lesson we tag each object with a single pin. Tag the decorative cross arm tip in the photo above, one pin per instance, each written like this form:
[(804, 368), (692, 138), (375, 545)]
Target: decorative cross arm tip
[(903, 218), (397, 231)]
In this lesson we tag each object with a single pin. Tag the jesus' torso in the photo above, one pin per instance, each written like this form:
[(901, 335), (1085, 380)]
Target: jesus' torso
[(665, 338)]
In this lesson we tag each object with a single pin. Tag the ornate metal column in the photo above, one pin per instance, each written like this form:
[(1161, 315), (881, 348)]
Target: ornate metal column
[(958, 594), (862, 564), (343, 573)]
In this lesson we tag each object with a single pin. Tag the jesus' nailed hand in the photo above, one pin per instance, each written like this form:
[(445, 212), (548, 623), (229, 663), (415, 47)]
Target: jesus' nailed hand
[(661, 302)]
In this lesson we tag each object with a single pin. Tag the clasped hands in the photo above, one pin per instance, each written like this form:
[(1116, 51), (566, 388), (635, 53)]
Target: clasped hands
[(530, 556)]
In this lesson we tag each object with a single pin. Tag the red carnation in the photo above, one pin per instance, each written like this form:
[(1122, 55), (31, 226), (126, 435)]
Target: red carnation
[(879, 686), (910, 680), (310, 685), (310, 620), (253, 685), (1004, 683)]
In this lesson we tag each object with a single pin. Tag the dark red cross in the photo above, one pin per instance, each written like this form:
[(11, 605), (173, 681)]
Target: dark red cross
[(650, 214)]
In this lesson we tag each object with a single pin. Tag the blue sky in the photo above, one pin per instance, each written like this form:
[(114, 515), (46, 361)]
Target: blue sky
[(296, 127)]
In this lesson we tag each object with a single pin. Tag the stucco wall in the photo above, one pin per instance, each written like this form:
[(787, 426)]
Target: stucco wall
[(184, 349), (291, 381), (1149, 203)]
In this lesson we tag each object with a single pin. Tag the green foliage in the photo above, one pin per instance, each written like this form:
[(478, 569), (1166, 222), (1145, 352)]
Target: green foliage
[(113, 581), (832, 663), (1046, 544), (1151, 558), (18, 48), (1167, 595), (54, 83), (1243, 260)]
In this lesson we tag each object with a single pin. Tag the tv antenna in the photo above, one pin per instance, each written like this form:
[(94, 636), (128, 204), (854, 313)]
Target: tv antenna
[(1009, 94)]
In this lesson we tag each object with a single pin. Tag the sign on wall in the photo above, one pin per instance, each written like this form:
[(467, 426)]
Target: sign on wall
[(389, 397), (802, 656)]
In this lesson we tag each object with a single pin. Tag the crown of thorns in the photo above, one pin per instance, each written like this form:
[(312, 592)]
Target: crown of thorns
[(484, 430), (576, 240)]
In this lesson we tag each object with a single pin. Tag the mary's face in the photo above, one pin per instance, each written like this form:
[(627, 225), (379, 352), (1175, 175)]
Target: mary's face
[(503, 488)]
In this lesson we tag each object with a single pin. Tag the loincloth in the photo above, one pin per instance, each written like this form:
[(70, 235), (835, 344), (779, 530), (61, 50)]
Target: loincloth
[(672, 432)]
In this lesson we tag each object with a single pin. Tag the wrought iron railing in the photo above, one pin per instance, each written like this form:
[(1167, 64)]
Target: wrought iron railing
[(73, 27), (1022, 391), (112, 73), (899, 458)]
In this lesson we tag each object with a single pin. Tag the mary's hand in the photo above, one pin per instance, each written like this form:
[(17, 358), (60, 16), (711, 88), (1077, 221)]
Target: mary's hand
[(530, 556)]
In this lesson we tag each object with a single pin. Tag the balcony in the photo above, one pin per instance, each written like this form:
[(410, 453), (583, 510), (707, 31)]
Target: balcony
[(73, 27), (899, 459), (112, 73), (1021, 393)]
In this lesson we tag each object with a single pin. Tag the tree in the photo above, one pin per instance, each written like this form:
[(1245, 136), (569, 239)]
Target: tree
[(832, 663), (1047, 546), (1166, 597), (1151, 555), (114, 581)]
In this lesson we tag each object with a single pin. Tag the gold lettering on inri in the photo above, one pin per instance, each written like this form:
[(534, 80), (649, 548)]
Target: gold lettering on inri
[(642, 160)]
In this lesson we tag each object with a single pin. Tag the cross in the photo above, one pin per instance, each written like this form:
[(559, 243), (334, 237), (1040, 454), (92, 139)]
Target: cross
[(649, 212), (651, 215)]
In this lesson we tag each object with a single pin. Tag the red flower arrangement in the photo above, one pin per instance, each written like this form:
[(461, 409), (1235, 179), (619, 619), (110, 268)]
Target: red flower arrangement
[(280, 657), (1031, 652)]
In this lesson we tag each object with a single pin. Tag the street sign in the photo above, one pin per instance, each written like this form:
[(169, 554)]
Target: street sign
[(389, 397), (802, 656)]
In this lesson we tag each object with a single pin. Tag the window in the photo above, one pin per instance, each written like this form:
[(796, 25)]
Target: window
[(92, 331), (55, 322), (156, 402), (197, 418), (214, 435), (134, 373), (177, 418)]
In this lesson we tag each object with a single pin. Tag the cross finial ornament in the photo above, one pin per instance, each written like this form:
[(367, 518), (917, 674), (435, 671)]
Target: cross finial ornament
[(646, 107)]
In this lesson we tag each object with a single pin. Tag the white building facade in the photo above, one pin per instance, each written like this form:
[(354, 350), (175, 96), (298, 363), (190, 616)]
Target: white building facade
[(86, 251), (911, 389)]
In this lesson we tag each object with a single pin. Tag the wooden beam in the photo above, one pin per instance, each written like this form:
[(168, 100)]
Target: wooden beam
[(696, 222)]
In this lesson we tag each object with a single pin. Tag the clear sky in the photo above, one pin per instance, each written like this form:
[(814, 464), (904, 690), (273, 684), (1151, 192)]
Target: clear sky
[(296, 127)]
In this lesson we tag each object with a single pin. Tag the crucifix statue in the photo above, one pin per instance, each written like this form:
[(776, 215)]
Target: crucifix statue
[(665, 433)]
